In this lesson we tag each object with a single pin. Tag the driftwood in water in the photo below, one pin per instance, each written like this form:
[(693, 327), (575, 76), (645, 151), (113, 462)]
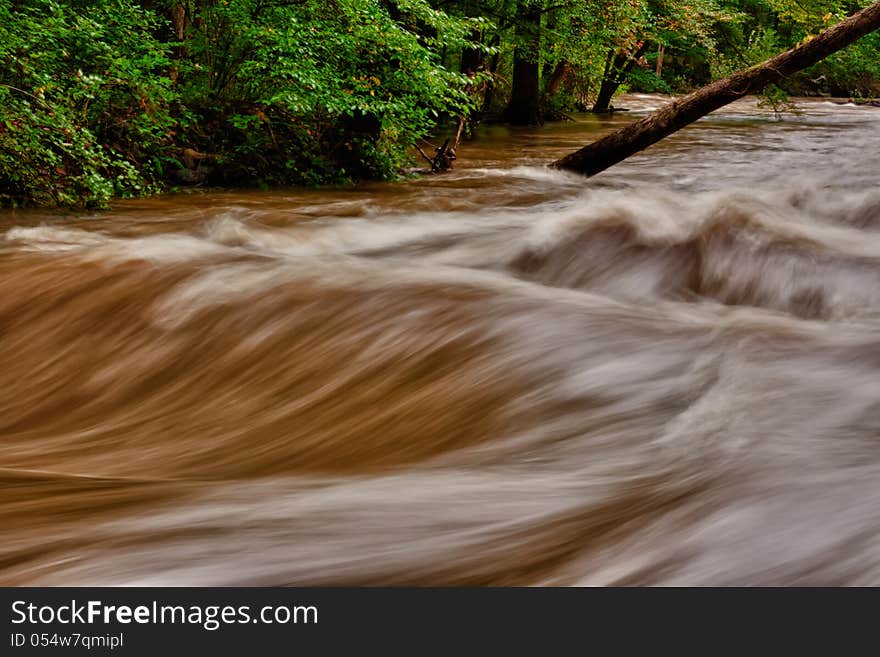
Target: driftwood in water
[(445, 155), (637, 136), (443, 158)]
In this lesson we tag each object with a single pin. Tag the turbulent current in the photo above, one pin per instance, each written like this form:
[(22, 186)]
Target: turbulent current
[(507, 375)]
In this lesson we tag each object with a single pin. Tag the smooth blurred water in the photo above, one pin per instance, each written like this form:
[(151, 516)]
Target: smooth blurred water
[(507, 374)]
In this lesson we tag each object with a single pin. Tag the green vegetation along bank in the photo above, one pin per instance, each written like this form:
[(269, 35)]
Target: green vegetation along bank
[(118, 98)]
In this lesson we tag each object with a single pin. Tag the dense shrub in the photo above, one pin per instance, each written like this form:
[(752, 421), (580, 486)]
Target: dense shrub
[(105, 98), (85, 102), (319, 91)]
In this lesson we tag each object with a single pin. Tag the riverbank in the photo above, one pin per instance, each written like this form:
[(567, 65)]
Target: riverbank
[(128, 99), (819, 120)]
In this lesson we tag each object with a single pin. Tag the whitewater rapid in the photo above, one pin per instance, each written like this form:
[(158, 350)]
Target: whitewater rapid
[(509, 377)]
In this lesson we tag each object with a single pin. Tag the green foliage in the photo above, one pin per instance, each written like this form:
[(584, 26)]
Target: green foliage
[(312, 95), (648, 81), (759, 45), (852, 72), (85, 104), (102, 97), (767, 27), (108, 98), (48, 159), (777, 99)]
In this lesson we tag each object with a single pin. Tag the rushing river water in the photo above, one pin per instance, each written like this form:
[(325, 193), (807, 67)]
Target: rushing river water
[(668, 374)]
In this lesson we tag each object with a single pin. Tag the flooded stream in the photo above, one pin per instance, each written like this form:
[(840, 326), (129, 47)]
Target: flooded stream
[(667, 374)]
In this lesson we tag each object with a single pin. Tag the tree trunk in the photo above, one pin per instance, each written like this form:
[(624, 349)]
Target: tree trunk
[(525, 99), (616, 71), (637, 136), (606, 92)]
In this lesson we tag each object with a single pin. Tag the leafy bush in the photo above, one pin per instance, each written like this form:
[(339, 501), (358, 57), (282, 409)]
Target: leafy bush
[(647, 81), (313, 93), (84, 102), (104, 98)]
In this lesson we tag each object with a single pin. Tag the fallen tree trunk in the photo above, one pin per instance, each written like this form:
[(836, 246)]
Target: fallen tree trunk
[(637, 136)]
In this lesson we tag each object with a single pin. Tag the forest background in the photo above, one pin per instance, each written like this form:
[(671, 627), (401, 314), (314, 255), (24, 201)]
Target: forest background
[(118, 98)]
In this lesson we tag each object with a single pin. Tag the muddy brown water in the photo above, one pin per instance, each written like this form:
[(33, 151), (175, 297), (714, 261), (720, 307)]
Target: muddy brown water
[(668, 374)]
